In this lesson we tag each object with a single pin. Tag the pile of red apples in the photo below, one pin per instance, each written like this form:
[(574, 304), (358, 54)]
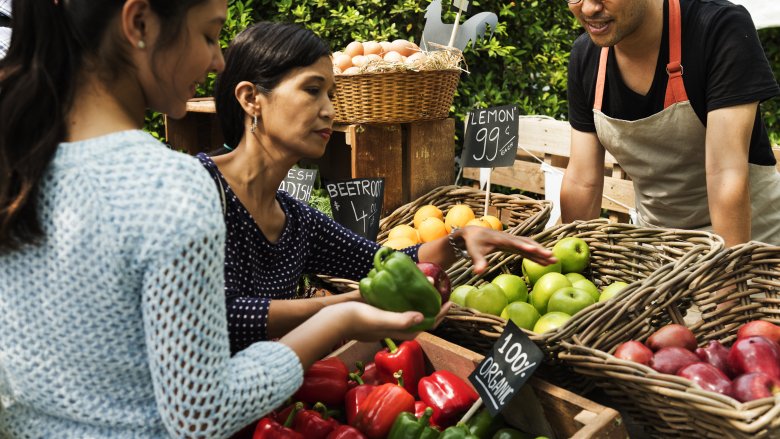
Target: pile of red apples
[(748, 370)]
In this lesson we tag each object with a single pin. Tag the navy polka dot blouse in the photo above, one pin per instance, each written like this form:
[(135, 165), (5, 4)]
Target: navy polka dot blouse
[(258, 271)]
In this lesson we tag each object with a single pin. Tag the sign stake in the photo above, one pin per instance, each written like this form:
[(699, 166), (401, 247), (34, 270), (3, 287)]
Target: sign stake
[(461, 4)]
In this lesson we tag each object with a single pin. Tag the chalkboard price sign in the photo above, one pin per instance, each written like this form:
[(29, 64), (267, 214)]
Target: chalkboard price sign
[(357, 203), (491, 138), (299, 183), (506, 368)]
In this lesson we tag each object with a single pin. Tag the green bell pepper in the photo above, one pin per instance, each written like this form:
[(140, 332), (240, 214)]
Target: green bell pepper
[(485, 425), (396, 284), (407, 426), (460, 431)]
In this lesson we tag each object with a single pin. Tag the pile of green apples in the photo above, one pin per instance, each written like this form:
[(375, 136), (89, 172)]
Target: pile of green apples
[(545, 297)]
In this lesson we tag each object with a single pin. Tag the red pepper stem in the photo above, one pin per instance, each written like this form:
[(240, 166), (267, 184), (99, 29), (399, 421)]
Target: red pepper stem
[(321, 409), (399, 376), (361, 368), (391, 346), (291, 417), (356, 378), (425, 419)]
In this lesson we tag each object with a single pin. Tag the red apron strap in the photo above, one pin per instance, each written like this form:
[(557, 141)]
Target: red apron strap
[(675, 88), (601, 79)]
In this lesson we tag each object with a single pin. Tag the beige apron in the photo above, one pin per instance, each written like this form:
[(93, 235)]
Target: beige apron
[(664, 156)]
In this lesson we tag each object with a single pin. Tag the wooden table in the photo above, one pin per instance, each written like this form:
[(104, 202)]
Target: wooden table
[(413, 158)]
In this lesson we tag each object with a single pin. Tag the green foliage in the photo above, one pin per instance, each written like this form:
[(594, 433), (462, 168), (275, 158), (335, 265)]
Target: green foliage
[(525, 62)]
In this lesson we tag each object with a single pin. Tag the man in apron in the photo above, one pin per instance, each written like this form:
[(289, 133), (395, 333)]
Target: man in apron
[(671, 89)]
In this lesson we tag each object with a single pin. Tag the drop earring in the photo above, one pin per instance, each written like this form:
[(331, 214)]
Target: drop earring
[(254, 125)]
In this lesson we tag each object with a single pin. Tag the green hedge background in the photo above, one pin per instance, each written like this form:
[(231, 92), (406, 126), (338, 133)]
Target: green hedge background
[(525, 61)]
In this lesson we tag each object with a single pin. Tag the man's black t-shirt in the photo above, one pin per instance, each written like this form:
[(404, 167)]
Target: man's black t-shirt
[(723, 61)]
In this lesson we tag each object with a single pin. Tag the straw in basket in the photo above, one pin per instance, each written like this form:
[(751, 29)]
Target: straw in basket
[(671, 406)]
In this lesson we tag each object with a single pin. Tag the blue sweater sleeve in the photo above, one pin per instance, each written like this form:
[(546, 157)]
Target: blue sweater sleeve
[(337, 251)]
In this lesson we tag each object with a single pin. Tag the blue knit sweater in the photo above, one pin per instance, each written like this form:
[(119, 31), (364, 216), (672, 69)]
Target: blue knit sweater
[(114, 325)]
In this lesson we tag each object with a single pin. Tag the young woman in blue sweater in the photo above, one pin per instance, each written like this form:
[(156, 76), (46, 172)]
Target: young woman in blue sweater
[(274, 104), (112, 311)]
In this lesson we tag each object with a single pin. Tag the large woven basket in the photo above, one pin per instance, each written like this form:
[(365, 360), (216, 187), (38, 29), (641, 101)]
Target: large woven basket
[(521, 215), (619, 252), (670, 406), (395, 97)]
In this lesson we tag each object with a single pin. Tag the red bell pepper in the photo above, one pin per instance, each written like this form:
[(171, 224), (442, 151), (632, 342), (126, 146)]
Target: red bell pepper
[(268, 428), (355, 396), (346, 432), (449, 396), (419, 409), (281, 415), (325, 381), (367, 373), (378, 411), (407, 357), (315, 423)]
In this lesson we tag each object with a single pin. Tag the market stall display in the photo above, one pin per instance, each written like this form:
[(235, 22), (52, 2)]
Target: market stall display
[(673, 406), (618, 253)]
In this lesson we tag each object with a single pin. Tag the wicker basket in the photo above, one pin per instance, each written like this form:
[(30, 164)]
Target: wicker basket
[(619, 252), (668, 405), (521, 215), (395, 97)]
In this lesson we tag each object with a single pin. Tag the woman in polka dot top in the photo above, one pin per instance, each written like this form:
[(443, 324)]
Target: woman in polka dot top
[(274, 103)]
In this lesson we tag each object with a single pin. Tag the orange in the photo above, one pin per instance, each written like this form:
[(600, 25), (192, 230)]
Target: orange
[(479, 222), (494, 222), (427, 211), (458, 216), (431, 229), (404, 231), (399, 243)]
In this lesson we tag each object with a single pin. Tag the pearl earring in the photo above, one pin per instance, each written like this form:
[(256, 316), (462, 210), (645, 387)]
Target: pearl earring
[(141, 44)]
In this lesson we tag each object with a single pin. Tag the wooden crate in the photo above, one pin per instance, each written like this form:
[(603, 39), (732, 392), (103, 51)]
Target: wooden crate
[(539, 408), (413, 158)]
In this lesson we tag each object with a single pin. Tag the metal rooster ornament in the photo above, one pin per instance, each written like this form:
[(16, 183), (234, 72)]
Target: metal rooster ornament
[(454, 35)]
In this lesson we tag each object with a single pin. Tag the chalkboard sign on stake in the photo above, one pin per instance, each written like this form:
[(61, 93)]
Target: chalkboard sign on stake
[(357, 204), (491, 137), (506, 368), (299, 183)]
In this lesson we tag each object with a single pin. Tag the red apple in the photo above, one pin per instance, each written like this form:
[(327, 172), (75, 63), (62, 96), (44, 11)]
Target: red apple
[(752, 386), (707, 376), (672, 359), (759, 327), (755, 354), (438, 277), (672, 336), (634, 351), (717, 355)]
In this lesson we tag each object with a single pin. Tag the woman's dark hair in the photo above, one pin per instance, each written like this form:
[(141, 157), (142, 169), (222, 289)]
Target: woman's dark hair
[(262, 54), (51, 41)]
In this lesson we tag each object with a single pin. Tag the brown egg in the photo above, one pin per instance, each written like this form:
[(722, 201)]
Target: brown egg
[(373, 57), (354, 48), (393, 56), (386, 47), (343, 61), (336, 53), (372, 47), (351, 71), (359, 60), (405, 48), (416, 58)]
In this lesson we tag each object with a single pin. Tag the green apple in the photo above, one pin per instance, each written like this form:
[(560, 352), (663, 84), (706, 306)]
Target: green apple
[(460, 293), (611, 290), (588, 286), (513, 286), (523, 314), (533, 271), (487, 298), (570, 300), (574, 277), (550, 321), (573, 253), (544, 288)]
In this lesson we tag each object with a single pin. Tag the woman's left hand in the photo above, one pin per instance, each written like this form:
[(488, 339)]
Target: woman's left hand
[(481, 241)]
